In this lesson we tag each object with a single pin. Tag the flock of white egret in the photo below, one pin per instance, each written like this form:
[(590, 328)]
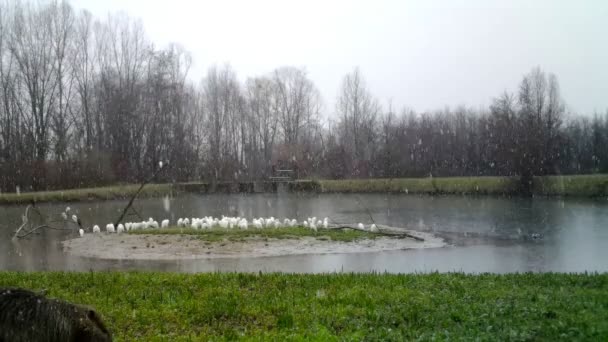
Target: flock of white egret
[(209, 222)]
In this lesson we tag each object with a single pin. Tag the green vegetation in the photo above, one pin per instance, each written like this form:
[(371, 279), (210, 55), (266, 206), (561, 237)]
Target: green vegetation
[(103, 193), (218, 234), (447, 185), (331, 307), (578, 185)]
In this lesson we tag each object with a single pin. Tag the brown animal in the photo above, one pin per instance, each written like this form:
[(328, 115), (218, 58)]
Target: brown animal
[(26, 316)]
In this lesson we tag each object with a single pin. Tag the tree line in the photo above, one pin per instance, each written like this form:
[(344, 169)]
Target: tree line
[(89, 102)]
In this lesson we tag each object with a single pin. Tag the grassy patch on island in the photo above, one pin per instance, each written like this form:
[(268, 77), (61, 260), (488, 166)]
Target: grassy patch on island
[(336, 307), (219, 234)]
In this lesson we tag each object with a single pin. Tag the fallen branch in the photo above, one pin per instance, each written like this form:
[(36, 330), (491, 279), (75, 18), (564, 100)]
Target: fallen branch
[(33, 230), (25, 219), (381, 231), (126, 208)]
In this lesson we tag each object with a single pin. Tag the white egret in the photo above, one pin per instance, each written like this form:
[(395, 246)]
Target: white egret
[(110, 228)]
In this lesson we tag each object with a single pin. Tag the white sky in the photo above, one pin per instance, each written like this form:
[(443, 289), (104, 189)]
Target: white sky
[(424, 54)]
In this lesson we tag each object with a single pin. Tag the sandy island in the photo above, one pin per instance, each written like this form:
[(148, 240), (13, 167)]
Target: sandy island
[(178, 247)]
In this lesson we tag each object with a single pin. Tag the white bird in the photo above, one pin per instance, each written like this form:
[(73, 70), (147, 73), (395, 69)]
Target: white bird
[(75, 218), (120, 228), (110, 228), (96, 229), (64, 215), (313, 225), (243, 224), (67, 209), (373, 228), (160, 164), (81, 232), (198, 223), (277, 223), (128, 226), (305, 224), (294, 222), (286, 222), (186, 222), (361, 226), (154, 224), (180, 222), (325, 223), (165, 223)]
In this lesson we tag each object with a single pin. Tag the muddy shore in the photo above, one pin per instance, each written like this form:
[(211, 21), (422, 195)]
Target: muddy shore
[(179, 247)]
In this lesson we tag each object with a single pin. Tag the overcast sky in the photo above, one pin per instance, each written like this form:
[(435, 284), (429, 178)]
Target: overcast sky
[(422, 54)]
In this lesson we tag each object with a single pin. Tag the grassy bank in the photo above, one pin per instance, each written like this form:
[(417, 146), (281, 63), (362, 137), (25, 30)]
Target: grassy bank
[(448, 185), (578, 185), (102, 193), (183, 307), (218, 234)]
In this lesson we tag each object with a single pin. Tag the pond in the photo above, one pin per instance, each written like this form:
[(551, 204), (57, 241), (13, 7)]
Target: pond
[(485, 234)]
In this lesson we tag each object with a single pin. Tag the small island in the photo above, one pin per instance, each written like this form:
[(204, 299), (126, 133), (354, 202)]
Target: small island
[(216, 241)]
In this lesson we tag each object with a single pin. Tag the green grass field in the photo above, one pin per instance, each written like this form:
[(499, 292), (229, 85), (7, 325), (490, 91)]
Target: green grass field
[(218, 234), (332, 307)]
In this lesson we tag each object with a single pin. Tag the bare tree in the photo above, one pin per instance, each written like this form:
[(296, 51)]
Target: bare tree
[(358, 110)]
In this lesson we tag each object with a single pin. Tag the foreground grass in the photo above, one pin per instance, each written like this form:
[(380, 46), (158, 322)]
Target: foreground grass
[(72, 195), (235, 234), (577, 185), (185, 307)]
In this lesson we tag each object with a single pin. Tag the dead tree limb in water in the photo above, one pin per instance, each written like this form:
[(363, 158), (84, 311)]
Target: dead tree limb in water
[(25, 222), (141, 187), (381, 231)]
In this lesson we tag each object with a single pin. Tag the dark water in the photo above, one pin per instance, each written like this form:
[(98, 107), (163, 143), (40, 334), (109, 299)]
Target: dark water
[(486, 234)]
